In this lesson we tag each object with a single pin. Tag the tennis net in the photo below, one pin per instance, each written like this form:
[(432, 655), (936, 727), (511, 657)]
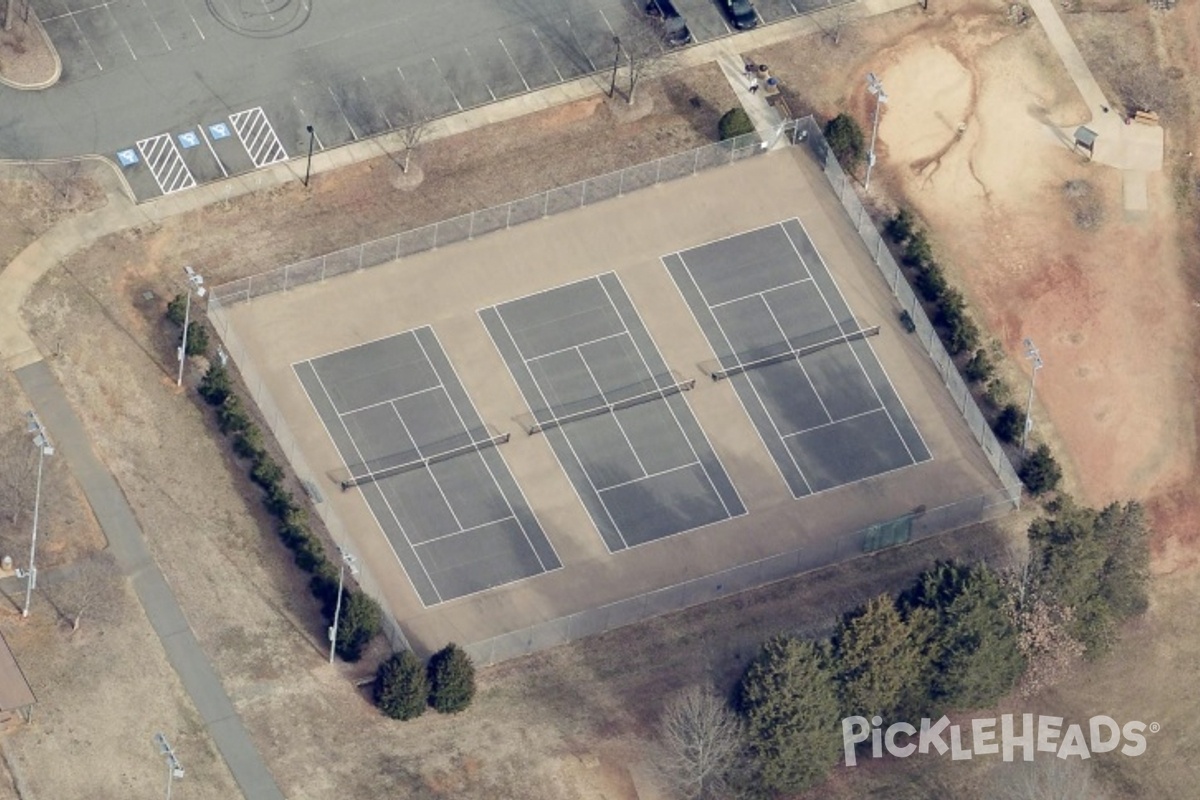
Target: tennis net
[(532, 424), (349, 480), (717, 370)]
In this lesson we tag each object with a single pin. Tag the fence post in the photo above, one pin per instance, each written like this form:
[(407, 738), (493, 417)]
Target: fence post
[(471, 227), (286, 274), (658, 172), (546, 205), (621, 183), (696, 162), (508, 217), (437, 226), (360, 256)]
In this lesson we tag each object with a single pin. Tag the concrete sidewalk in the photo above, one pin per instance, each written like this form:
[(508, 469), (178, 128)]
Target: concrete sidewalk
[(19, 351)]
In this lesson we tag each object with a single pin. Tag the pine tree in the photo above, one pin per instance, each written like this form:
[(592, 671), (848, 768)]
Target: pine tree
[(791, 707), (451, 680), (401, 687), (877, 659), (359, 623)]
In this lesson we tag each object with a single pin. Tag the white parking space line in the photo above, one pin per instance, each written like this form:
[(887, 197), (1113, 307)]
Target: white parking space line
[(514, 63), (166, 164), (485, 83), (447, 82), (606, 22), (82, 35), (183, 5), (342, 111), (316, 134), (546, 53), (258, 137), (216, 158), (579, 44), (117, 25), (156, 26)]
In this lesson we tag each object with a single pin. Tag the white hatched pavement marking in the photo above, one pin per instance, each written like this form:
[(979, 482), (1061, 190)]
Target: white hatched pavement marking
[(166, 164), (258, 137)]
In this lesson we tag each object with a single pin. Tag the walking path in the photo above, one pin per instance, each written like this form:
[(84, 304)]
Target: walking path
[(20, 353), (1135, 149)]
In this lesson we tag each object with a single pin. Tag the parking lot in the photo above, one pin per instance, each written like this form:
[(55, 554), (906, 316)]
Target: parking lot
[(186, 72)]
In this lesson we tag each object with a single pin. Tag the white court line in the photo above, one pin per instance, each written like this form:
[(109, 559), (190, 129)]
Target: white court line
[(566, 438), (834, 422), (432, 477), (528, 507), (389, 400), (620, 427), (546, 53), (514, 63), (853, 352), (674, 416), (912, 420), (758, 294), (576, 346), (800, 363), (382, 496), (473, 528), (753, 388), (650, 475)]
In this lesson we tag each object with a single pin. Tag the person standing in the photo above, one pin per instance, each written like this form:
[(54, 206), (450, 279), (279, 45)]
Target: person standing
[(753, 85)]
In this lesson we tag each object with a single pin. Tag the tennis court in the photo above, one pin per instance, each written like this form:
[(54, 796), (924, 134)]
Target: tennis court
[(800, 363), (413, 443), (615, 415)]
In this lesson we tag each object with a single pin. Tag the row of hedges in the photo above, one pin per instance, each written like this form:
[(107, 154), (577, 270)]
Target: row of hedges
[(361, 616), (1039, 470), (404, 687), (959, 638)]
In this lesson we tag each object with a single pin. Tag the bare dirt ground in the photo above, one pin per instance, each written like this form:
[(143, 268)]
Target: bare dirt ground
[(1111, 307), (574, 722)]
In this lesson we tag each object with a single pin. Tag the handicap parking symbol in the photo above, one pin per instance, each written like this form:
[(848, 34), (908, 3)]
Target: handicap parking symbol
[(189, 139), (218, 131), (127, 157)]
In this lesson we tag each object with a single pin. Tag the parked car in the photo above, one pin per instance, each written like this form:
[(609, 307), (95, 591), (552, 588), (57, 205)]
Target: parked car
[(741, 14), (675, 30)]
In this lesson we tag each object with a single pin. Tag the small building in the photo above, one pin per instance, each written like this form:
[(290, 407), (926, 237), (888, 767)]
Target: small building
[(16, 698), (1085, 139)]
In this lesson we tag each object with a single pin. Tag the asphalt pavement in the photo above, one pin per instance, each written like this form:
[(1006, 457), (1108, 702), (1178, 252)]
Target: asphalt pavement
[(183, 92), (127, 545)]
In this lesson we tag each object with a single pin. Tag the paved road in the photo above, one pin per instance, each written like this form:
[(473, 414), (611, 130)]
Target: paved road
[(198, 89), (128, 547)]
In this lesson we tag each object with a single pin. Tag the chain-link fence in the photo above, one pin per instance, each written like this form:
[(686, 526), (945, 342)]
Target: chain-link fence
[(830, 550), (807, 132), (478, 223), (822, 553), (287, 442)]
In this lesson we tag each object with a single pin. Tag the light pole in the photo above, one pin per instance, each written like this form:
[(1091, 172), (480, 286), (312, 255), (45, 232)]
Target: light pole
[(1033, 355), (41, 441), (875, 87), (612, 87), (174, 768), (312, 135), (196, 282), (347, 561)]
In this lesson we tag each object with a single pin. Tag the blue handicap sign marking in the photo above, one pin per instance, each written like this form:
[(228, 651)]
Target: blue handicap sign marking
[(189, 139), (218, 131), (127, 157)]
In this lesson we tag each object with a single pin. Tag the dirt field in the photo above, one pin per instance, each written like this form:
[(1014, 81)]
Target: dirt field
[(573, 723)]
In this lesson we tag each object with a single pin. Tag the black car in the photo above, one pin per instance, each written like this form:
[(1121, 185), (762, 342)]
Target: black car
[(741, 14), (675, 30)]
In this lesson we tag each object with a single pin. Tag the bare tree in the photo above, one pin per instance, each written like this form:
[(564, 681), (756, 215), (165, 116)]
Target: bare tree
[(831, 24), (1044, 779), (412, 123), (1043, 635), (91, 587), (702, 741), (18, 464), (645, 52)]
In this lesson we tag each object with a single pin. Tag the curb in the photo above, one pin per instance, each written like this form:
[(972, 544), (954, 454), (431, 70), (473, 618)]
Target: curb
[(53, 79)]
